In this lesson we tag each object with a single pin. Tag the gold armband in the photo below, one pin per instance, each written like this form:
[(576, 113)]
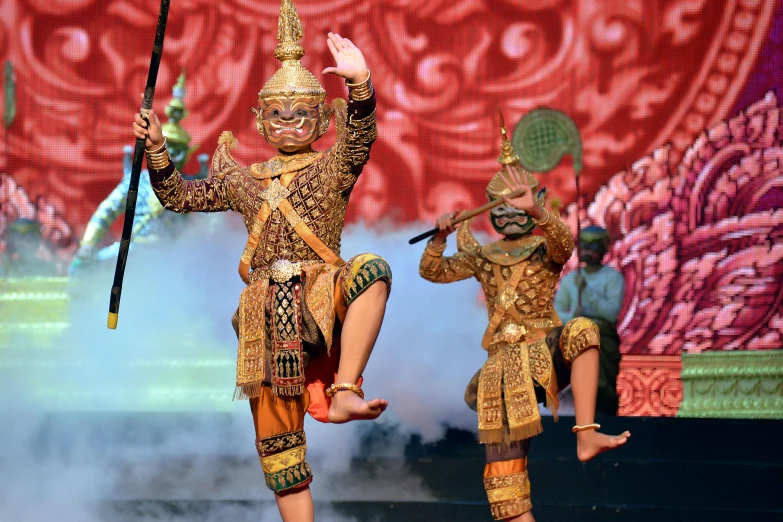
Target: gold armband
[(361, 91)]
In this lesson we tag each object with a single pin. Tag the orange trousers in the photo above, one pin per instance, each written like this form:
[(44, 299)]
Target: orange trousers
[(280, 439)]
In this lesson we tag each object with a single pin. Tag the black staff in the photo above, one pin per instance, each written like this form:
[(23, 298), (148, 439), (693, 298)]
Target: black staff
[(138, 153)]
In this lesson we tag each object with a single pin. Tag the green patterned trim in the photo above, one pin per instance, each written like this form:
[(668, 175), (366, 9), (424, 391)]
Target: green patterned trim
[(733, 385), (295, 476), (370, 269)]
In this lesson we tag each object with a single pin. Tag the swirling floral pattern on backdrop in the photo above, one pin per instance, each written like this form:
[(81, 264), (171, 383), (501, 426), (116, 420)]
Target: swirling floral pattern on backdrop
[(700, 241), (633, 74)]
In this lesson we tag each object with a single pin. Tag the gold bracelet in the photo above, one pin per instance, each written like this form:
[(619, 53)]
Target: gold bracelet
[(360, 83), (361, 91), (435, 250), (577, 428), (334, 388), (545, 220), (159, 149), (159, 160)]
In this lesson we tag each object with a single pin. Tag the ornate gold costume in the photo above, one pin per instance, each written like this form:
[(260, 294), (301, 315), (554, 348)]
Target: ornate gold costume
[(518, 275), (298, 286), (519, 280), (317, 184)]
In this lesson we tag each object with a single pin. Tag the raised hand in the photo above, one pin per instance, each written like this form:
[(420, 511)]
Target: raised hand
[(527, 201), (349, 60)]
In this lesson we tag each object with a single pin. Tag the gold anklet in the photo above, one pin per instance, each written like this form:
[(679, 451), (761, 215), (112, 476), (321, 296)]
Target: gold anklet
[(334, 388), (577, 428)]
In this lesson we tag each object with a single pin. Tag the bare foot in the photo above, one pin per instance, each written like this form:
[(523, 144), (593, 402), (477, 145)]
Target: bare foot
[(347, 406), (590, 443)]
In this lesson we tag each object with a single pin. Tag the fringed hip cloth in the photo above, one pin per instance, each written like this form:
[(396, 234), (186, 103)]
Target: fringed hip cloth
[(284, 321), (270, 311), (506, 397)]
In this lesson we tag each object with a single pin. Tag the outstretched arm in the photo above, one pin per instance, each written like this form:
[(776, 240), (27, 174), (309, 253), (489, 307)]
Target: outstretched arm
[(173, 191), (107, 212)]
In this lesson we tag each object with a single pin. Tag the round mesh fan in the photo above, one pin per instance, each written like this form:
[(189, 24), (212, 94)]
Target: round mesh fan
[(543, 136)]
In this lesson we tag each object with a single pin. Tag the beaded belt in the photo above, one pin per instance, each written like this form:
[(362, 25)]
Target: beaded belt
[(280, 271)]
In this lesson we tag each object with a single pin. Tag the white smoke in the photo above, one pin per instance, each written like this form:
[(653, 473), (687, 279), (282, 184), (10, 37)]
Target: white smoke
[(174, 353)]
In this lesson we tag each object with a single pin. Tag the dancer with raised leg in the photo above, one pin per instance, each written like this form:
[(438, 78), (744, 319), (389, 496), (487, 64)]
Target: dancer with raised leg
[(530, 357), (307, 320)]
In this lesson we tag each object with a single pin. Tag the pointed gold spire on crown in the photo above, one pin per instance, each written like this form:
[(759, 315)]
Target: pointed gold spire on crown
[(497, 187), (291, 80), (507, 154), (289, 32)]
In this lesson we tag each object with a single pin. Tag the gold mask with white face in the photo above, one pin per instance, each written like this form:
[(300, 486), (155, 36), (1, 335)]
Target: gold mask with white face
[(291, 113)]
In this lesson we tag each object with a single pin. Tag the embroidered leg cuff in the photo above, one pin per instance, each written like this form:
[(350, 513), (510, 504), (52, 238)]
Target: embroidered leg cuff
[(509, 495), (578, 335), (283, 461), (362, 271)]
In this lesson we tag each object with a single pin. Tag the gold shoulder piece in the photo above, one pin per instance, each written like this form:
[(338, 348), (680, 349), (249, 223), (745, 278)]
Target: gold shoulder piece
[(466, 241), (222, 161)]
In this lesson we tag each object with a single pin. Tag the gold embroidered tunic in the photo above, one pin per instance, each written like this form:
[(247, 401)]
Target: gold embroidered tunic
[(518, 279), (319, 186), (294, 209)]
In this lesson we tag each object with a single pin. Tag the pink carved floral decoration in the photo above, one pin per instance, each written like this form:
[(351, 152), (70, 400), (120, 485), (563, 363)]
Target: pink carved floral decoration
[(58, 244), (700, 241)]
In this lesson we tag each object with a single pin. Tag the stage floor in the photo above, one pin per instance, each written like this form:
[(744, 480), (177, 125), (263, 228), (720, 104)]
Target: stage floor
[(137, 468), (244, 511)]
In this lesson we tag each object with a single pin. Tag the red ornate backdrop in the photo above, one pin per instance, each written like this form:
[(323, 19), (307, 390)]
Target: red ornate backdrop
[(634, 75)]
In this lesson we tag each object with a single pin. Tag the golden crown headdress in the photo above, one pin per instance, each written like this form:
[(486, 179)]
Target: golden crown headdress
[(291, 80), (497, 187)]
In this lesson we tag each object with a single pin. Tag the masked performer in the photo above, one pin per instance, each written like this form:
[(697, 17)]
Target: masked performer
[(596, 291), (529, 359), (151, 222), (303, 306)]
